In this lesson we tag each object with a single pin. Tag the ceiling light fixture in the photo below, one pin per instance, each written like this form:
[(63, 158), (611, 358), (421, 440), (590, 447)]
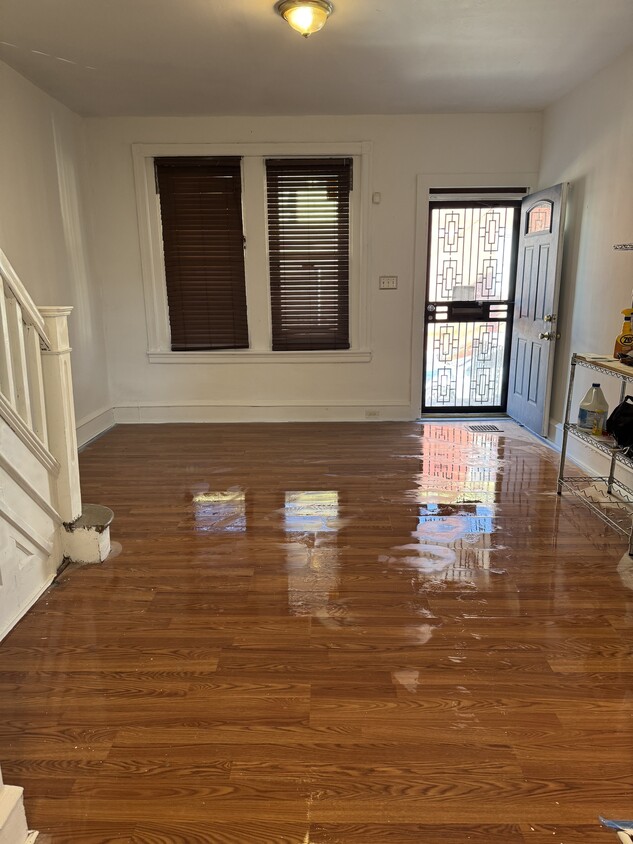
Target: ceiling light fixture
[(306, 16)]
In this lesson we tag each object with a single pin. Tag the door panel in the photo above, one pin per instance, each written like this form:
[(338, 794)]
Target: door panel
[(534, 374), (467, 359), (536, 303)]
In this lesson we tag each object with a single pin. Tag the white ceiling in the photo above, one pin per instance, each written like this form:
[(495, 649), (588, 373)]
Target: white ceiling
[(187, 57)]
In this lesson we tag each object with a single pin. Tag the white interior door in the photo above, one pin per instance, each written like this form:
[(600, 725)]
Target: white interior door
[(535, 309)]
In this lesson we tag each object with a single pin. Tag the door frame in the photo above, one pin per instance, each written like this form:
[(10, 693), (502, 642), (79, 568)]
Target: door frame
[(425, 185)]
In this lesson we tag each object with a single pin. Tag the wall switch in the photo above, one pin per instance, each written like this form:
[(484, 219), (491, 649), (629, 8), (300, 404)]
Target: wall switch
[(388, 282)]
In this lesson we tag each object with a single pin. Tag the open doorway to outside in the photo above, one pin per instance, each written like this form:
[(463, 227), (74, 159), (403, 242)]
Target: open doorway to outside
[(472, 258)]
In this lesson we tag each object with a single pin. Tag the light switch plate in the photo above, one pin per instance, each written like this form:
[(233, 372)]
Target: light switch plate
[(388, 282)]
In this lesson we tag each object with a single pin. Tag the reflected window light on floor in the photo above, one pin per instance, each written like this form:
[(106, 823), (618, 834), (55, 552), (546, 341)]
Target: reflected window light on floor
[(459, 466), (311, 511), (220, 511), (467, 528), (460, 480), (311, 519), (447, 522)]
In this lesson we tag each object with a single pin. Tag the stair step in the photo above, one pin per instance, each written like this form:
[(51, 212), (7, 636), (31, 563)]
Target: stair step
[(93, 516), (87, 539), (13, 829)]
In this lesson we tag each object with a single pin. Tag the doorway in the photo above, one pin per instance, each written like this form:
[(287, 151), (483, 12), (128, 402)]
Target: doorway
[(472, 259)]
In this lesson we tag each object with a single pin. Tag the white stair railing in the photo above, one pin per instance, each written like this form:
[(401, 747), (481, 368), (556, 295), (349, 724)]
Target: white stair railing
[(22, 339), (36, 397)]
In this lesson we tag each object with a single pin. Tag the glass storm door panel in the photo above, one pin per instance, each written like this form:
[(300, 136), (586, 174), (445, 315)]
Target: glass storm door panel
[(469, 305)]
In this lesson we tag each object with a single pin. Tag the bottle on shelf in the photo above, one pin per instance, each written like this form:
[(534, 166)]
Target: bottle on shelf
[(624, 340), (593, 412)]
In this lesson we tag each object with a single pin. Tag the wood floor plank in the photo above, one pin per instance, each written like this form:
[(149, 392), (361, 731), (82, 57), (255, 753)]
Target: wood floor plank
[(401, 833), (326, 634), (238, 832), (79, 832)]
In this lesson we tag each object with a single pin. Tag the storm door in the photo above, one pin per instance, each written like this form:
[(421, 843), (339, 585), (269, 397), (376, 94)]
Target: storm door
[(469, 304)]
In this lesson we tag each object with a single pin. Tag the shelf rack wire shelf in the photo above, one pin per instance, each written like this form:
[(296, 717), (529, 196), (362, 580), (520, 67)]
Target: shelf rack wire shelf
[(606, 496)]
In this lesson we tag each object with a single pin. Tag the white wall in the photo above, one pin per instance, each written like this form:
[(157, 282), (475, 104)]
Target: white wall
[(588, 141), (43, 224), (403, 147)]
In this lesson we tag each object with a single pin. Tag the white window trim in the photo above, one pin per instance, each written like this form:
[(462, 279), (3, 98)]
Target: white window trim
[(257, 289)]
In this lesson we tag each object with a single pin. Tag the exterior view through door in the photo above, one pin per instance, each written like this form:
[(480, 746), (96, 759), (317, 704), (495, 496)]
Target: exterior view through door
[(469, 301)]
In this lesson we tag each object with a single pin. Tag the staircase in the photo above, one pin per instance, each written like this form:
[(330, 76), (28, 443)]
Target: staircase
[(42, 521)]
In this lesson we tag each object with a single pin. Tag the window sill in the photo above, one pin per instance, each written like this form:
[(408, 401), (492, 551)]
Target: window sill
[(248, 356)]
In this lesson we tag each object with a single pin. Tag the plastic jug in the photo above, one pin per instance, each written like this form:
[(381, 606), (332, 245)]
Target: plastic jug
[(593, 412)]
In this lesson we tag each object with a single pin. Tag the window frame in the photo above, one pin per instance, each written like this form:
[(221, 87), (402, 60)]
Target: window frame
[(256, 258)]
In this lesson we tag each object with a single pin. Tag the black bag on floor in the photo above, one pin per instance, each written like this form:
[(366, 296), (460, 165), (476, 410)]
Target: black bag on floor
[(620, 424)]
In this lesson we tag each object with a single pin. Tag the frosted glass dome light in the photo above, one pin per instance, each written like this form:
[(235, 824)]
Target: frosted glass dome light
[(306, 16)]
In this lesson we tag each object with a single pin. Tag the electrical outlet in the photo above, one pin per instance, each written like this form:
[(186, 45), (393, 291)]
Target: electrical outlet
[(388, 282), (372, 414)]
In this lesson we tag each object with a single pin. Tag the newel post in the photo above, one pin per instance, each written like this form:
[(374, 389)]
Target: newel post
[(60, 411)]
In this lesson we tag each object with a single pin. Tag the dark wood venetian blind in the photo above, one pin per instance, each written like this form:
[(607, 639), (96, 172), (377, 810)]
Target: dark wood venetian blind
[(203, 241), (308, 241)]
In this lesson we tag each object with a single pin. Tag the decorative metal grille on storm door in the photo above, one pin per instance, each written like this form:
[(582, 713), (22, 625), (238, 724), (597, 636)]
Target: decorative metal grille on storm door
[(469, 304)]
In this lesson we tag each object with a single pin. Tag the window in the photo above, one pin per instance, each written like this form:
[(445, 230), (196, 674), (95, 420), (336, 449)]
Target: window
[(282, 226), (539, 218), (203, 247), (308, 250)]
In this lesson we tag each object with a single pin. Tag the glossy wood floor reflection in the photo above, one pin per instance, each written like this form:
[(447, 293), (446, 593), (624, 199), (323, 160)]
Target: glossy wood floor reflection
[(327, 634)]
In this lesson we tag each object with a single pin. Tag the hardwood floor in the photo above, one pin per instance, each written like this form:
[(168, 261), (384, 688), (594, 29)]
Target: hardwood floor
[(327, 634)]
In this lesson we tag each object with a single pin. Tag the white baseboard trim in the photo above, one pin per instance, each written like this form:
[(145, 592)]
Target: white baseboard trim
[(92, 426), (198, 411), (24, 609)]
